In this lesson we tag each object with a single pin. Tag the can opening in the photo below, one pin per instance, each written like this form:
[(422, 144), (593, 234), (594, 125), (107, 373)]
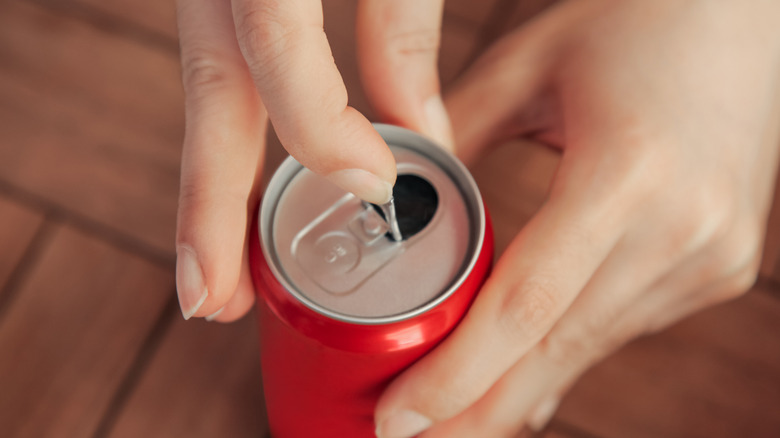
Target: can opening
[(416, 202)]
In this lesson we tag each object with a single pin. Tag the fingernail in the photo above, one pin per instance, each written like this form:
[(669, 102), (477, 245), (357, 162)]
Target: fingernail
[(365, 185), (439, 127), (190, 284), (214, 315), (403, 424), (542, 414)]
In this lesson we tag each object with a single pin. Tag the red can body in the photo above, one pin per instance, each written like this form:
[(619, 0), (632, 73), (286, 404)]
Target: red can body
[(323, 377)]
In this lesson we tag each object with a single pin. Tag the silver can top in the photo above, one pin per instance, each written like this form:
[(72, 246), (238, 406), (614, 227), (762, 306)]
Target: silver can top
[(334, 253)]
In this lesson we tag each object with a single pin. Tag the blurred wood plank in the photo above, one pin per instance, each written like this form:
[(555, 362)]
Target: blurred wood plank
[(554, 432), (770, 263), (72, 334), (476, 12), (716, 374), (157, 16), (458, 45), (203, 382), (95, 121), (506, 16), (18, 225), (527, 10)]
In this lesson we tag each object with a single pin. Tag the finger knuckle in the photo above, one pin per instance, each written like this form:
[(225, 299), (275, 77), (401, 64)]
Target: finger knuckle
[(740, 283), (204, 71), (735, 252), (706, 218), (260, 24), (417, 42), (444, 395), (529, 310), (740, 280), (265, 34), (566, 347), (590, 338), (625, 182), (190, 192)]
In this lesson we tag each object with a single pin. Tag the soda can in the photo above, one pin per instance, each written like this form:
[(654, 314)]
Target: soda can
[(344, 308)]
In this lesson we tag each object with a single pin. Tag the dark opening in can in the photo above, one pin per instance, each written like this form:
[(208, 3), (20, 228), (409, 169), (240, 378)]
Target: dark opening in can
[(415, 204)]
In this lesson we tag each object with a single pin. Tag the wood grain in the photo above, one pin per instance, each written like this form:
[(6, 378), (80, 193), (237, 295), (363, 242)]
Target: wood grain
[(93, 122), (713, 375), (204, 382), (158, 16), (476, 13), (72, 334), (18, 225), (558, 433)]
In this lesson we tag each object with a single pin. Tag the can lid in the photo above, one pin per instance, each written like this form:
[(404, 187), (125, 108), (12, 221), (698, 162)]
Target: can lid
[(333, 252)]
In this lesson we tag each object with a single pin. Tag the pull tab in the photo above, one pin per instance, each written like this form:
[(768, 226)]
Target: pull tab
[(344, 246), (352, 240), (388, 212)]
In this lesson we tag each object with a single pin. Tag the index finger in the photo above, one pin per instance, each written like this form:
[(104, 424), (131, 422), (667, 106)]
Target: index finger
[(288, 55)]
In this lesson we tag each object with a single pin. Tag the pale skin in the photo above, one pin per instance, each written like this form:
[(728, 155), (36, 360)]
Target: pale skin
[(667, 115)]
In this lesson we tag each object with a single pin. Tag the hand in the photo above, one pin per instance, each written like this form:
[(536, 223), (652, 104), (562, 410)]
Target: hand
[(667, 114), (258, 59)]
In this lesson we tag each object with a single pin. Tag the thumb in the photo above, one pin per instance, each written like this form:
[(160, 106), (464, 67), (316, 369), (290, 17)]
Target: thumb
[(536, 280)]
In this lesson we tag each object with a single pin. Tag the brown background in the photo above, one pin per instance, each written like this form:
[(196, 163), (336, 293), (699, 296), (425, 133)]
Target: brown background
[(92, 343)]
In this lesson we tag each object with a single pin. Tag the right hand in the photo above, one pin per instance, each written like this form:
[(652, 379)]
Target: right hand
[(253, 60)]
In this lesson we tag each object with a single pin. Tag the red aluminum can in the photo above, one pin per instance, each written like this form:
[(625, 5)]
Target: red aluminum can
[(343, 307)]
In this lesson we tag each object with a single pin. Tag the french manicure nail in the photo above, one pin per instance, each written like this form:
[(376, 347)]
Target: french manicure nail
[(542, 414), (190, 285), (214, 315), (439, 127), (403, 424), (364, 184)]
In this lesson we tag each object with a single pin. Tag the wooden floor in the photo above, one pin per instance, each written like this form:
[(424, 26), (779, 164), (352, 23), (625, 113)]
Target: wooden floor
[(92, 343)]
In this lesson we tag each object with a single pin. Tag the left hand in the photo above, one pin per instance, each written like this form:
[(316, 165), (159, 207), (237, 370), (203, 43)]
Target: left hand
[(245, 62), (667, 116)]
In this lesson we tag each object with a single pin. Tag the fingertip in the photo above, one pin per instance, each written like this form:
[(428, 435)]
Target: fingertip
[(240, 302), (543, 414), (403, 424), (208, 254), (438, 126), (418, 399), (363, 184), (190, 283), (236, 308)]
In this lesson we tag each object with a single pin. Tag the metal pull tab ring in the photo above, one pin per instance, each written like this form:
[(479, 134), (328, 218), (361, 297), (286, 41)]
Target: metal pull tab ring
[(391, 218)]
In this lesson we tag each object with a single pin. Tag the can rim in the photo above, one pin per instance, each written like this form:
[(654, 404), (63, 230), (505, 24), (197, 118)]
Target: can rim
[(290, 168)]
